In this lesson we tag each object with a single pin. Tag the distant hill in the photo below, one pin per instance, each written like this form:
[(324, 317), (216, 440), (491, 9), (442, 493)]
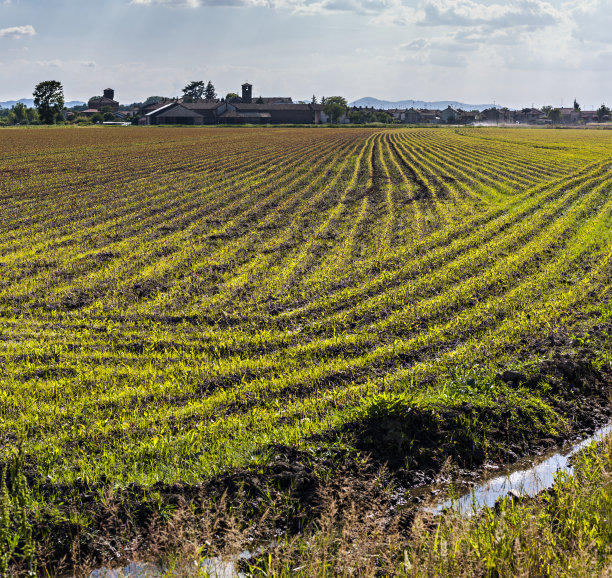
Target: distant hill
[(30, 103), (438, 104)]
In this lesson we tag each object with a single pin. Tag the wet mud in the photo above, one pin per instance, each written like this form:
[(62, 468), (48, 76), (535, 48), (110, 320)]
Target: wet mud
[(382, 460)]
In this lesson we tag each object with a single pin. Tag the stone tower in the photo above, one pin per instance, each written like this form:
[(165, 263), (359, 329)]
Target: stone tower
[(247, 93)]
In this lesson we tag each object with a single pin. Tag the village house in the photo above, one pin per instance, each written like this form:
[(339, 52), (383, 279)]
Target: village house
[(570, 115), (272, 113), (147, 108), (176, 112), (448, 115), (397, 114), (490, 115), (588, 116), (245, 109), (430, 116), (412, 116), (529, 116), (467, 116)]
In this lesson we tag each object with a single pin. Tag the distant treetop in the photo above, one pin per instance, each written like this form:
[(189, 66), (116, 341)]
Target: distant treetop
[(194, 91), (49, 100)]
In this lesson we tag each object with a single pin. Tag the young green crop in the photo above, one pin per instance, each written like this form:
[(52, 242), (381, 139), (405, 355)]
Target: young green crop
[(176, 303)]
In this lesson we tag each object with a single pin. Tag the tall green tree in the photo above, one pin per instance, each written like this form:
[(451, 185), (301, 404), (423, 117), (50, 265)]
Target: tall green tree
[(335, 107), (49, 100), (153, 100), (553, 114), (210, 93), (32, 116), (602, 111), (18, 114), (383, 116), (194, 91)]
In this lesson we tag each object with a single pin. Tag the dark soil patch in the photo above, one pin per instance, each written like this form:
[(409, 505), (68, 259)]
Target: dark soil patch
[(219, 237), (50, 373), (420, 191), (404, 449), (128, 520), (76, 299), (415, 443), (145, 288)]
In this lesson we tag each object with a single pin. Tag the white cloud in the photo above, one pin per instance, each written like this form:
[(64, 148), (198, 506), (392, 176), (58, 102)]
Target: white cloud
[(442, 51), (461, 33), (199, 3), (593, 22), (304, 7), (468, 14), (178, 3), (17, 31), (448, 59), (51, 63), (467, 24), (460, 13), (488, 22), (416, 44), (57, 63)]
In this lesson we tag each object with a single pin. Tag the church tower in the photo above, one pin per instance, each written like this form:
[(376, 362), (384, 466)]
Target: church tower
[(247, 93)]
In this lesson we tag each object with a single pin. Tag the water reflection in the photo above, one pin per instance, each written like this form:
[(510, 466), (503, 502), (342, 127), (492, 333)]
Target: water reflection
[(213, 567), (525, 481)]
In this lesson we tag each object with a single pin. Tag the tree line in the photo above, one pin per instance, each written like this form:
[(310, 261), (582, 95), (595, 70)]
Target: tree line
[(48, 103), (49, 106), (554, 114)]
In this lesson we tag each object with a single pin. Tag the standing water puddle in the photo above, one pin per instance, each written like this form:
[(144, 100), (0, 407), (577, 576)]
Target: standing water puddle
[(524, 481), (213, 567)]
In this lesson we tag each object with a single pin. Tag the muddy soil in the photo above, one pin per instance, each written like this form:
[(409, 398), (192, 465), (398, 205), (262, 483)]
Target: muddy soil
[(415, 444), (380, 460)]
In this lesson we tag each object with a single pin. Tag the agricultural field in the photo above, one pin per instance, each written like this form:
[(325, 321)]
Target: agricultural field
[(250, 316)]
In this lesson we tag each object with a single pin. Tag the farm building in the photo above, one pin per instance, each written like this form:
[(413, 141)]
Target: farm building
[(98, 102), (242, 110), (199, 113), (184, 113)]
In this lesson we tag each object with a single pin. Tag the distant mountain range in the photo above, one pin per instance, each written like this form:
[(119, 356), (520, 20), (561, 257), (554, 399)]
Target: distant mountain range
[(30, 103), (437, 105)]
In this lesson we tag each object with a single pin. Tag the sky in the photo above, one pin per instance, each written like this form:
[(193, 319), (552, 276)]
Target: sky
[(515, 53)]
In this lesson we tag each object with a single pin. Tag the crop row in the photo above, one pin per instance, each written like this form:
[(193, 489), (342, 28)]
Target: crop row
[(174, 302)]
